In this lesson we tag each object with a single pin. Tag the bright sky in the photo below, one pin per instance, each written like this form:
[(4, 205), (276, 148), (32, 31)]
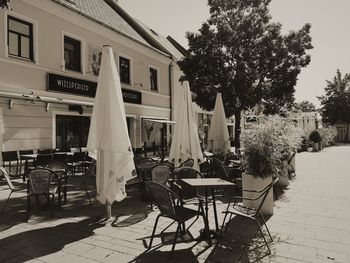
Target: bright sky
[(330, 31)]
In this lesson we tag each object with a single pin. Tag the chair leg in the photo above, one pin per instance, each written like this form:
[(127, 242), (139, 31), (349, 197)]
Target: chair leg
[(153, 232), (28, 207), (223, 223), (267, 229), (174, 242), (8, 198), (266, 243), (52, 204)]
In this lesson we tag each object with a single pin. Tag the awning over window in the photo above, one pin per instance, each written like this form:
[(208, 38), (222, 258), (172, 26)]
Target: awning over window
[(159, 121), (32, 96)]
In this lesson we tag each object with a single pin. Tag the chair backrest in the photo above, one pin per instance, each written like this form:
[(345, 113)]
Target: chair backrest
[(79, 156), (146, 161), (22, 152), (43, 159), (219, 168), (187, 172), (9, 156), (264, 193), (161, 174), (44, 151), (60, 156), (187, 163), (219, 156), (6, 175), (163, 197), (39, 180)]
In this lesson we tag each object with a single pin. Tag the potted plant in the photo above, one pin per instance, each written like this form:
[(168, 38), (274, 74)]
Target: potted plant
[(262, 159), (315, 137)]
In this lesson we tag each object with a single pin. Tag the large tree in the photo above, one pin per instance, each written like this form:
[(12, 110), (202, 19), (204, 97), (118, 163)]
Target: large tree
[(305, 106), (239, 52), (4, 3), (335, 104)]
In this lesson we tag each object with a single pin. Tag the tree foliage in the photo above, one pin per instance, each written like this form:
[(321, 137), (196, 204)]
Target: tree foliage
[(4, 3), (335, 104), (305, 106), (239, 52)]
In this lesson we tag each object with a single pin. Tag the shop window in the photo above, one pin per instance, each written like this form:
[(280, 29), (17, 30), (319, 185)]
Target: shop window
[(72, 54), (124, 68), (20, 38), (153, 75)]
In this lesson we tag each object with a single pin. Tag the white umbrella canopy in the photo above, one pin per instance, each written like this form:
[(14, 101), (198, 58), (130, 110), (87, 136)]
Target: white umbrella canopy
[(185, 141), (218, 138), (108, 135)]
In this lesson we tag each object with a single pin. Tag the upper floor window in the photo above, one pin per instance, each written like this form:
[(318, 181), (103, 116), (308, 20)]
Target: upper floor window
[(124, 68), (20, 38), (72, 54), (153, 75)]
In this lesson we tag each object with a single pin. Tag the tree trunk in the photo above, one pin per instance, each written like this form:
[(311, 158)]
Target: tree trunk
[(237, 129)]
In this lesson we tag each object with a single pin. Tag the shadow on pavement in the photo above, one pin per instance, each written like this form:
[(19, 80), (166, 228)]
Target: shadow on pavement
[(48, 240), (241, 243)]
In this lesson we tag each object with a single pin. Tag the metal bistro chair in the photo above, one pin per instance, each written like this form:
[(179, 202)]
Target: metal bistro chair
[(11, 162), (90, 172), (42, 160), (161, 174), (61, 170), (12, 187), (251, 213), (166, 201), (188, 194), (26, 163), (39, 183), (188, 163), (228, 173), (144, 174)]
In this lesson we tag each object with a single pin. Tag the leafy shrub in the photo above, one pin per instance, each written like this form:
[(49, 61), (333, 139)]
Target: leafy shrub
[(266, 145), (315, 136), (328, 135)]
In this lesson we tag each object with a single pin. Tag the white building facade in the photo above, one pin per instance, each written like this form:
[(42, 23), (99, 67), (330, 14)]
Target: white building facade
[(49, 62)]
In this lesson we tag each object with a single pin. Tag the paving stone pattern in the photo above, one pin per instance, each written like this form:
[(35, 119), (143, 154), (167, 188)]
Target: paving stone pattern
[(311, 223)]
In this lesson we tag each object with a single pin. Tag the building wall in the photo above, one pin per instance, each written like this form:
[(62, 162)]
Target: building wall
[(30, 126)]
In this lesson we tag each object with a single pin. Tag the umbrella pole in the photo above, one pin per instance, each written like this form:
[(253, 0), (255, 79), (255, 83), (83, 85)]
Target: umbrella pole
[(108, 210)]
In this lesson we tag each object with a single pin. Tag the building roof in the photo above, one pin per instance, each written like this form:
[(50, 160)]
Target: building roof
[(100, 11), (164, 41)]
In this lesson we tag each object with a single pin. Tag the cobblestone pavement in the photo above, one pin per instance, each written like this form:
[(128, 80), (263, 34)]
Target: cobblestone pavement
[(311, 223)]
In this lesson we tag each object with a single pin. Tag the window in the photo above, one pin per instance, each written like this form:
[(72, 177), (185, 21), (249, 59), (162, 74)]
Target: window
[(124, 68), (72, 54), (20, 38), (153, 76)]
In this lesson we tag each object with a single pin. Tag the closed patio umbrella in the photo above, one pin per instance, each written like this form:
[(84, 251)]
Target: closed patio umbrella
[(108, 135), (185, 141), (218, 138)]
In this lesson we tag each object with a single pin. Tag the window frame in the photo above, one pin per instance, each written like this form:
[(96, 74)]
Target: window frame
[(120, 55), (149, 79), (19, 35), (79, 53)]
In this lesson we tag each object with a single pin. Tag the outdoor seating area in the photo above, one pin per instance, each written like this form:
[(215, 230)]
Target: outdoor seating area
[(77, 233)]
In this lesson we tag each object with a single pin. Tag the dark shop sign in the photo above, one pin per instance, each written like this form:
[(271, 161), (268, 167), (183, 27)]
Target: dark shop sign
[(59, 83), (132, 96)]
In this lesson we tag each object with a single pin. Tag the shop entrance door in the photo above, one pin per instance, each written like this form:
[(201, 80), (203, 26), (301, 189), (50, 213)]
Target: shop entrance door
[(71, 131)]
